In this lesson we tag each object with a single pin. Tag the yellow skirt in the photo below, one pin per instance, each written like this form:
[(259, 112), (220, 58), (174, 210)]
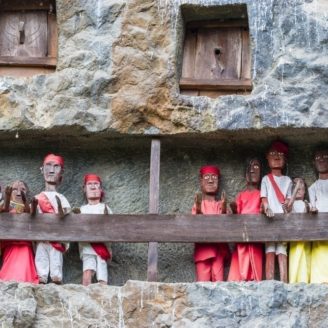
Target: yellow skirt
[(319, 264), (300, 262)]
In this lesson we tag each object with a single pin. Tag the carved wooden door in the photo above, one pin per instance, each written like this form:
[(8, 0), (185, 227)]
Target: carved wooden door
[(24, 34), (216, 59)]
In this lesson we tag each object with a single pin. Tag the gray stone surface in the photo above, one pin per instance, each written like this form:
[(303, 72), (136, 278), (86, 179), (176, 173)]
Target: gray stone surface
[(143, 305), (119, 64)]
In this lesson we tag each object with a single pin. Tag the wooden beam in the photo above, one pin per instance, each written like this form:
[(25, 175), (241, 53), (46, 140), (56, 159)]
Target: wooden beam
[(202, 84), (164, 228), (218, 23), (155, 157), (49, 62), (12, 5)]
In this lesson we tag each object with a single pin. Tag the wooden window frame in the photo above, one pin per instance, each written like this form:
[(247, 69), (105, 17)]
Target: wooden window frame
[(50, 61), (197, 84)]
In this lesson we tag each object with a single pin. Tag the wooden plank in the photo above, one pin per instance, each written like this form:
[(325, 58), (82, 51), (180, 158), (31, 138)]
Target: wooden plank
[(204, 84), (52, 38), (190, 92), (246, 55), (155, 157), (218, 23), (28, 61), (164, 228), (6, 5), (189, 49), (24, 71)]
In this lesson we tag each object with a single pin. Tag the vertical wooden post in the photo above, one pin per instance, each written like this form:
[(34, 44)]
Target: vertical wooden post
[(155, 157)]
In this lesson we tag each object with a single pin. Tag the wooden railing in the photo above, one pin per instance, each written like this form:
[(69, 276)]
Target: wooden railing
[(184, 228)]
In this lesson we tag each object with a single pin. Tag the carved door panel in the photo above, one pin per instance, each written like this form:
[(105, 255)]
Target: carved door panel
[(24, 34)]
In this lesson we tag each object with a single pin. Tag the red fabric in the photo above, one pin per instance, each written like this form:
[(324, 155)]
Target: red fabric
[(279, 146), (91, 177), (101, 250), (46, 207), (211, 254), (247, 259), (211, 269), (209, 169), (280, 196), (18, 261), (54, 158)]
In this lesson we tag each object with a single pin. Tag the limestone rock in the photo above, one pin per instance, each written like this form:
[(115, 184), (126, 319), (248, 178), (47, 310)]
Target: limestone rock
[(141, 304)]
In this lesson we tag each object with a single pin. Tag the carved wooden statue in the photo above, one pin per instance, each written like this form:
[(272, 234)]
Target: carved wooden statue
[(49, 255), (246, 263), (94, 255), (318, 193), (209, 258), (17, 256), (275, 195)]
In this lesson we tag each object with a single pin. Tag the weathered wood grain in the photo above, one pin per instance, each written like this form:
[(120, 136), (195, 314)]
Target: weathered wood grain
[(155, 162), (164, 228)]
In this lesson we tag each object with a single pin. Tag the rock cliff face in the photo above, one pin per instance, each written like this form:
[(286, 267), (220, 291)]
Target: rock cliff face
[(144, 305), (119, 64)]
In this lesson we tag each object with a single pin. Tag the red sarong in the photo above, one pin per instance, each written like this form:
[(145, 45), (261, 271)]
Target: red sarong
[(246, 262)]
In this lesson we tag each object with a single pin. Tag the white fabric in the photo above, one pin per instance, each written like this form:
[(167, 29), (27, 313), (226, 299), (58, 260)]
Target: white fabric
[(278, 248), (92, 261), (48, 259), (285, 185), (318, 193), (96, 264), (86, 248), (299, 206)]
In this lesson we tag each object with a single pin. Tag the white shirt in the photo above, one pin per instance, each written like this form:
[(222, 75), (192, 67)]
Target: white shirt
[(86, 248), (285, 185), (318, 193), (299, 206)]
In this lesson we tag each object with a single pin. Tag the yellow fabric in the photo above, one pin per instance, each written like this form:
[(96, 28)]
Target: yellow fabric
[(319, 264), (299, 262)]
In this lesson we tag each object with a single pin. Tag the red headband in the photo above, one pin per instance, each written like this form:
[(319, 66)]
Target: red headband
[(91, 177), (209, 169), (54, 158), (279, 146)]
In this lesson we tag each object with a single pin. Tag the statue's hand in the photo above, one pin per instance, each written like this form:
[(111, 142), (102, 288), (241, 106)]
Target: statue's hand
[(26, 205), (287, 207), (76, 210), (233, 207), (8, 191), (313, 210), (268, 212)]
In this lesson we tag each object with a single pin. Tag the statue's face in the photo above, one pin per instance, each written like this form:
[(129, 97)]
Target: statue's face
[(209, 183), (301, 191), (93, 190), (253, 174), (18, 187), (276, 160), (52, 172), (321, 161)]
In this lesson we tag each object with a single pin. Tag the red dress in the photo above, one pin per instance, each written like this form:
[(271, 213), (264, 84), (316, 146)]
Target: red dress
[(246, 262), (18, 261), (209, 257)]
